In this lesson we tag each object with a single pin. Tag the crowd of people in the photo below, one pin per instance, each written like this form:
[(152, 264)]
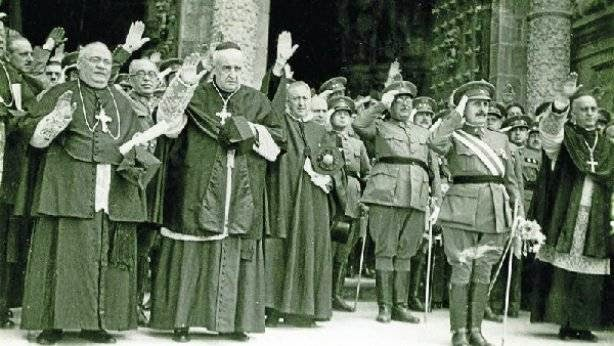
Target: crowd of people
[(174, 196)]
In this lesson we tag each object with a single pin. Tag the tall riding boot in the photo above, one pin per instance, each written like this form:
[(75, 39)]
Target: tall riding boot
[(383, 285), (417, 273), (479, 300), (400, 311), (338, 280), (459, 294)]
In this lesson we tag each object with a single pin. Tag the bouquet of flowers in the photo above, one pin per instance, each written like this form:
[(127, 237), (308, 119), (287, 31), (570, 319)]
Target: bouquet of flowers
[(530, 233)]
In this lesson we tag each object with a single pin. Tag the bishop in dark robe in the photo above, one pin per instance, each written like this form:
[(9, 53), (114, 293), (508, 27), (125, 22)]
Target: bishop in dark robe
[(211, 264), (572, 204), (88, 198)]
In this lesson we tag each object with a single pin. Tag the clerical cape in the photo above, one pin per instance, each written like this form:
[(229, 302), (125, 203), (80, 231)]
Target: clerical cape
[(568, 282)]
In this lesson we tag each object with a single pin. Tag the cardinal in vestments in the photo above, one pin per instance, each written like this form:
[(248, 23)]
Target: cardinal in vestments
[(572, 204), (88, 198), (211, 264)]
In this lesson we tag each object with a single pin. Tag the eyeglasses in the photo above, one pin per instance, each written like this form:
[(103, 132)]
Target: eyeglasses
[(141, 74)]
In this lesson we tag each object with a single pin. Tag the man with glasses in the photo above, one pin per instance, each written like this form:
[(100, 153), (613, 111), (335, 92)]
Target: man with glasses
[(144, 80), (88, 200)]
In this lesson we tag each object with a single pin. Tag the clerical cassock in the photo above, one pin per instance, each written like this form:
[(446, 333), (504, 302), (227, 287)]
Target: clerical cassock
[(211, 263), (87, 201), (14, 231), (572, 204), (298, 244)]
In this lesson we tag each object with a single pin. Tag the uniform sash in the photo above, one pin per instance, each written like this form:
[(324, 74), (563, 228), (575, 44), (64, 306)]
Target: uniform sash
[(484, 152)]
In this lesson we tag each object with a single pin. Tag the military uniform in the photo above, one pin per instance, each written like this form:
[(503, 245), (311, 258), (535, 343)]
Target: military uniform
[(475, 214), (336, 85), (531, 162), (397, 193), (424, 106), (497, 296), (348, 188)]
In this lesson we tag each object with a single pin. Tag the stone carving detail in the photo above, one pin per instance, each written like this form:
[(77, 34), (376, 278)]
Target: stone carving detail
[(548, 48), (459, 46)]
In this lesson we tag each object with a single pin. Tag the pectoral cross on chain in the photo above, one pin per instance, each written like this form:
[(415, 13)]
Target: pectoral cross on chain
[(592, 163), (104, 119), (223, 115)]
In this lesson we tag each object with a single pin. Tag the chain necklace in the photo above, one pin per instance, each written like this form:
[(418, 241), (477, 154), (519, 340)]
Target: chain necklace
[(591, 152), (101, 115), (224, 114)]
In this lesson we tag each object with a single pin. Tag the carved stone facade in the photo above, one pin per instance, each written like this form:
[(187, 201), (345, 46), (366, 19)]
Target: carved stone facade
[(460, 45), (548, 51), (592, 53)]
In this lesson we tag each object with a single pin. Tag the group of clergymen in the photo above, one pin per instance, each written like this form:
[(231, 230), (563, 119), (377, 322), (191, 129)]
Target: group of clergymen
[(246, 204)]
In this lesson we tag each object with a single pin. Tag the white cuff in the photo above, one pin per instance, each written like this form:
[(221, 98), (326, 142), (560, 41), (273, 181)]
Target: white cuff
[(48, 129)]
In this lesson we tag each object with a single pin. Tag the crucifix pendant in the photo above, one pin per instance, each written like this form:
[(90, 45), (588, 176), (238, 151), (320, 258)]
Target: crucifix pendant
[(223, 115), (592, 163), (104, 119)]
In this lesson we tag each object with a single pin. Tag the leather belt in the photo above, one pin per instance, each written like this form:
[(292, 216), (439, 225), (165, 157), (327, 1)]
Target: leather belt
[(403, 160), (478, 179)]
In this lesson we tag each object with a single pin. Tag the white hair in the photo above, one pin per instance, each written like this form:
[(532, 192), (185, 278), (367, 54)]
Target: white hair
[(85, 50), (217, 55), (135, 65), (297, 85)]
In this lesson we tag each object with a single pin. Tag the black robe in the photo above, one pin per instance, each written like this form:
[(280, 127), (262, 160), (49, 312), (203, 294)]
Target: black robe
[(561, 296), (216, 284), (298, 245)]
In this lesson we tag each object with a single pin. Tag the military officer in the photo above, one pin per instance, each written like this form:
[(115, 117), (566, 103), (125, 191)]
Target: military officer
[(476, 214), (347, 191), (495, 117), (534, 142), (424, 109), (333, 87), (514, 110), (519, 129), (397, 193)]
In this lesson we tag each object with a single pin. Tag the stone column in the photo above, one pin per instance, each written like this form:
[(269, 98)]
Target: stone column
[(548, 52), (508, 48), (245, 22)]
